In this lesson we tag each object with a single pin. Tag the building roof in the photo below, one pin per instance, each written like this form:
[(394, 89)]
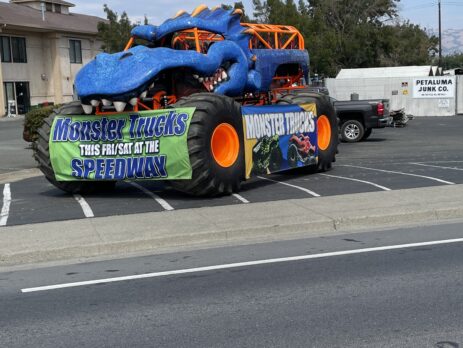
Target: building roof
[(399, 71), (58, 2), (25, 17)]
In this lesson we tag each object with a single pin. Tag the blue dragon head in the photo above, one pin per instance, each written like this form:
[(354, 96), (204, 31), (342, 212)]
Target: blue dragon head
[(226, 66)]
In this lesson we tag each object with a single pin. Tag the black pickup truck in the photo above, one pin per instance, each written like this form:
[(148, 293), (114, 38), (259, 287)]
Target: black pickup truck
[(357, 118)]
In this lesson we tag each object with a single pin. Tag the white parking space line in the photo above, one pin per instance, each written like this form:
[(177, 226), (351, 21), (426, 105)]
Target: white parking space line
[(357, 180), (401, 173), (162, 202), (241, 198), (293, 186), (433, 166), (6, 205), (88, 212), (241, 264)]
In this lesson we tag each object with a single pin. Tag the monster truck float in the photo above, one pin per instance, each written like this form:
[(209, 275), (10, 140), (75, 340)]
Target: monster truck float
[(201, 100)]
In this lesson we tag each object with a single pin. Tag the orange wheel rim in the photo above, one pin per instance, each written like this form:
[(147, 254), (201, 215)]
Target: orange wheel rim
[(225, 145), (324, 132)]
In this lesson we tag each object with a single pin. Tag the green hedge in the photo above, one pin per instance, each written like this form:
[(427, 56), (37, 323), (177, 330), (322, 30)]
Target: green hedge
[(34, 120)]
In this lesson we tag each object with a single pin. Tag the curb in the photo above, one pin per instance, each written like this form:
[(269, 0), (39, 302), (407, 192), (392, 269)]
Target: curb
[(153, 233)]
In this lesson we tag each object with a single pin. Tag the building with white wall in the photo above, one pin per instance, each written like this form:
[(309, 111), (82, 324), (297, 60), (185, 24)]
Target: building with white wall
[(42, 47), (417, 89)]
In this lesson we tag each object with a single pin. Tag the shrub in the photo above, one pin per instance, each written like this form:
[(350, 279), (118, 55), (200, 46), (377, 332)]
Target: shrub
[(34, 120)]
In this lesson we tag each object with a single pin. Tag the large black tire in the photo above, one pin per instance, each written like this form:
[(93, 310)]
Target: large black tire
[(42, 156), (324, 107), (208, 177), (352, 131)]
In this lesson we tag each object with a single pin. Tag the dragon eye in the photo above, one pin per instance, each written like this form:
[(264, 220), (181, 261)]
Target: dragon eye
[(126, 55)]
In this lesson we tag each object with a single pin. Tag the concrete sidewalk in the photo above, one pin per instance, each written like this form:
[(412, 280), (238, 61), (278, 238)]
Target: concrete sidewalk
[(122, 236)]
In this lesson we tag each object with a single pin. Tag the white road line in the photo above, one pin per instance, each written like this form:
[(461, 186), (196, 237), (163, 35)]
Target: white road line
[(240, 264), (162, 202), (442, 162), (357, 180), (241, 198), (88, 212), (394, 172), (6, 205), (293, 186), (432, 166)]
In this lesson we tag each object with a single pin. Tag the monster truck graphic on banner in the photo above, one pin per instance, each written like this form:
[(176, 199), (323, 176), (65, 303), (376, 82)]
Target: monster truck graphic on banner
[(279, 137), (130, 146)]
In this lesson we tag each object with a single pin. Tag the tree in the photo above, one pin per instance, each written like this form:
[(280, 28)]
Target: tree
[(115, 32), (350, 34), (406, 44), (452, 61)]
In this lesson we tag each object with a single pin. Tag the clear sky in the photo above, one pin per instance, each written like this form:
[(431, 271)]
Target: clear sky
[(423, 12)]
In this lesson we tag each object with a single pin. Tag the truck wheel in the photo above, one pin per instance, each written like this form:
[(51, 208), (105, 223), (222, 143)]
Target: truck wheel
[(215, 145), (367, 133), (352, 131), (327, 125), (275, 160), (42, 156), (292, 156)]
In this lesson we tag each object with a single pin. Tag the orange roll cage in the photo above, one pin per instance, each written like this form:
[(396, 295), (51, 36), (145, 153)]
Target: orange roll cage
[(269, 36)]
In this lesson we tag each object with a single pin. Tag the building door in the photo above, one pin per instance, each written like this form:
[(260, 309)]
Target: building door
[(19, 93), (9, 96), (23, 100)]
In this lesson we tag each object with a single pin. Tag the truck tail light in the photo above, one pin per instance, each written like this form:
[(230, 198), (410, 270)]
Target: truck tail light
[(380, 109)]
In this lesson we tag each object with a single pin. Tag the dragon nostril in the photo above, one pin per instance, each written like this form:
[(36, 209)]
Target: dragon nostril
[(126, 55)]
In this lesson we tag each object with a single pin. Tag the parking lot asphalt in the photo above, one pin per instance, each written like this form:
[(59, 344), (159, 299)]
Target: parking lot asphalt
[(428, 152)]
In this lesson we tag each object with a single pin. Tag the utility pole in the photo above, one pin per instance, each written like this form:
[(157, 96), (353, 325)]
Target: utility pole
[(440, 34)]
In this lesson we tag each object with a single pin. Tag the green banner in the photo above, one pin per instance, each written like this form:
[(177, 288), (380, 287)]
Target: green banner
[(138, 145)]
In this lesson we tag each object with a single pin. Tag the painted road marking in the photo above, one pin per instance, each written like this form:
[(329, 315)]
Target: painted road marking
[(6, 205), (394, 172), (240, 264), (432, 166), (88, 212), (241, 198), (293, 186), (357, 180), (162, 202)]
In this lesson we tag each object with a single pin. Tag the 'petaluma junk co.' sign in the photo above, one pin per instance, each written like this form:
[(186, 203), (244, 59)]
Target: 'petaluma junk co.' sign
[(434, 87)]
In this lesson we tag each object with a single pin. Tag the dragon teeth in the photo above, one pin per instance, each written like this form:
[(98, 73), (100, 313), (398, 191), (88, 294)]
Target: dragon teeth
[(143, 95), (120, 106), (224, 75), (106, 102), (152, 86), (133, 101), (219, 79), (196, 76), (88, 109), (95, 103), (201, 79)]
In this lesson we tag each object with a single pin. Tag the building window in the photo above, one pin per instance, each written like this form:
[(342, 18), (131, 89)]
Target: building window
[(18, 48), (75, 51), (13, 49), (49, 7), (57, 8), (5, 49)]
